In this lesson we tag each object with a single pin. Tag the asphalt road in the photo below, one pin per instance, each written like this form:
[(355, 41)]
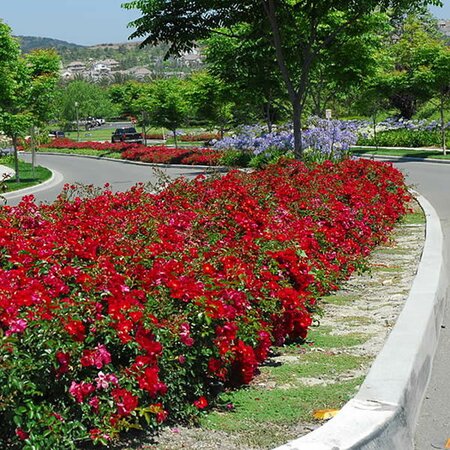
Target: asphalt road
[(432, 180), (99, 172), (433, 428)]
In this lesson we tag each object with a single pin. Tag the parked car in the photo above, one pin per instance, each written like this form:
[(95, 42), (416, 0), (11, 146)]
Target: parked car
[(6, 151), (56, 134), (127, 134)]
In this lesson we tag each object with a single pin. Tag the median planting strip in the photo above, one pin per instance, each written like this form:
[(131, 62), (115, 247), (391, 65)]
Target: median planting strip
[(383, 414), (159, 154), (28, 176), (326, 372), (141, 314)]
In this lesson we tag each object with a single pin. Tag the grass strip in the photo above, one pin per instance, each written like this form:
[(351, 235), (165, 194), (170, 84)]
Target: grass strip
[(28, 177), (402, 152), (85, 152)]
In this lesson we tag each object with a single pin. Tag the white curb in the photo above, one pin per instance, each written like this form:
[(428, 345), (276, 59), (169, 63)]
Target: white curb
[(6, 171), (53, 181), (383, 414)]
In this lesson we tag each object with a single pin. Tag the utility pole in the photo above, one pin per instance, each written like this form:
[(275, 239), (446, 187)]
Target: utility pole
[(78, 122)]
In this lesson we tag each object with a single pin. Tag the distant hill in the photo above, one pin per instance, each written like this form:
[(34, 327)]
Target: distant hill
[(28, 43), (127, 54)]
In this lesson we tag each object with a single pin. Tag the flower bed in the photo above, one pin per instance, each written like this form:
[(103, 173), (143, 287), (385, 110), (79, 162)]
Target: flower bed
[(154, 154), (131, 309), (168, 155), (101, 146), (199, 137), (321, 140)]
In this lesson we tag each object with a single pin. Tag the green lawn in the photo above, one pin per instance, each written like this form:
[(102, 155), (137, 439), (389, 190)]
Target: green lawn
[(402, 152), (97, 134), (28, 178), (84, 152)]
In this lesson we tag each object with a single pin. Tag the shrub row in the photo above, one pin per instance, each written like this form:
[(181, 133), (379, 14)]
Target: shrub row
[(168, 155), (132, 309), (404, 138), (199, 137), (154, 154)]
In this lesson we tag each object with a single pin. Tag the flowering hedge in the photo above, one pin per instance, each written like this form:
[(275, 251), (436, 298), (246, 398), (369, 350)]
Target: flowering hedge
[(168, 155), (156, 136), (154, 154), (133, 309), (198, 137), (101, 146)]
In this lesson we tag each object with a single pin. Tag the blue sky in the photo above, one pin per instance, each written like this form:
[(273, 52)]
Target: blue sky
[(444, 12), (85, 22)]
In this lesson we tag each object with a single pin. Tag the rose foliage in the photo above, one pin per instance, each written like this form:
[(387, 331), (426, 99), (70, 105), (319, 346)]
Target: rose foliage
[(127, 310)]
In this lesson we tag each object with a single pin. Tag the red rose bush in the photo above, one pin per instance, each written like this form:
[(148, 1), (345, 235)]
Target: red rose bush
[(133, 309), (157, 154)]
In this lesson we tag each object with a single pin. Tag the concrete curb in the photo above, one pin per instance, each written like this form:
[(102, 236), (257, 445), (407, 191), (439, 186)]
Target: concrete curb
[(54, 180), (402, 158), (383, 414), (4, 170)]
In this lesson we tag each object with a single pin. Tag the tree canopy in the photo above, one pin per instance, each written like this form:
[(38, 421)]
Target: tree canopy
[(27, 88), (298, 31)]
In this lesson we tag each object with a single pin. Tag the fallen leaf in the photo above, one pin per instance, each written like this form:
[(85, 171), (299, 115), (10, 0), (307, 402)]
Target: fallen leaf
[(325, 414)]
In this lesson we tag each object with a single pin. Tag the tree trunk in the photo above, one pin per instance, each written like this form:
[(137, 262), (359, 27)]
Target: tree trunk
[(175, 138), (294, 97), (297, 124), (375, 135), (405, 103), (443, 143), (33, 151), (16, 159), (268, 109)]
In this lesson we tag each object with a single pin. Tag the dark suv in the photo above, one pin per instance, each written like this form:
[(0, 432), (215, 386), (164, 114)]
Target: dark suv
[(56, 134), (127, 134)]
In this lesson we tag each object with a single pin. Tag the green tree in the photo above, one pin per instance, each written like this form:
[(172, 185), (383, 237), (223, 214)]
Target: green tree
[(435, 75), (124, 95), (27, 88), (82, 99), (404, 79), (298, 30), (343, 69), (248, 68), (165, 105), (210, 100)]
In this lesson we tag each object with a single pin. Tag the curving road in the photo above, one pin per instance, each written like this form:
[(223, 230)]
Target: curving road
[(430, 179), (433, 428), (99, 172)]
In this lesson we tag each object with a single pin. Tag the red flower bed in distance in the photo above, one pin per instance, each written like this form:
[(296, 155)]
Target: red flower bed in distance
[(127, 309), (154, 154)]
